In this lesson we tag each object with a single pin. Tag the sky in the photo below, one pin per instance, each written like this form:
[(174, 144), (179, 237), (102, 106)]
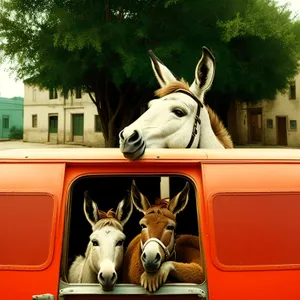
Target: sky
[(9, 87)]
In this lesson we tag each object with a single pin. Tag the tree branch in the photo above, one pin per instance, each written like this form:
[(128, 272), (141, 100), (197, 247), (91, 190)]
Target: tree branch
[(107, 102), (121, 102), (92, 98), (121, 14), (107, 11)]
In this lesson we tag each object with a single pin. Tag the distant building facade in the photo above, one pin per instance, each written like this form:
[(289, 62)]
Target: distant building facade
[(274, 122), (11, 115), (49, 117)]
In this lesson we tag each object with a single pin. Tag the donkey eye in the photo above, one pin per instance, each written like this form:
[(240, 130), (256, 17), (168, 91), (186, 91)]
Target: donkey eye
[(143, 226), (170, 227), (95, 243), (178, 112), (120, 243)]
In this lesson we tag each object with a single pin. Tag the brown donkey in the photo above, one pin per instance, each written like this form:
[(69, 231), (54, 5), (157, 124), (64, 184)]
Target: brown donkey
[(156, 253)]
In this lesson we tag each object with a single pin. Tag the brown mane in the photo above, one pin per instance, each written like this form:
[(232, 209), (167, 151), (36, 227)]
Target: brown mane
[(217, 125), (219, 129), (161, 207), (108, 219), (163, 203), (172, 87), (109, 214)]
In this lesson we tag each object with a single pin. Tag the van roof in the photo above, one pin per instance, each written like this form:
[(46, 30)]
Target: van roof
[(105, 154)]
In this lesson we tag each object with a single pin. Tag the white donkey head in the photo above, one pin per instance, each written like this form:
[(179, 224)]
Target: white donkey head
[(105, 250), (179, 118)]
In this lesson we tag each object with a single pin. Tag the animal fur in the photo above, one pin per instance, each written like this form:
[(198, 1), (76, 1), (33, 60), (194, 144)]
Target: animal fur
[(188, 267), (217, 125), (186, 263)]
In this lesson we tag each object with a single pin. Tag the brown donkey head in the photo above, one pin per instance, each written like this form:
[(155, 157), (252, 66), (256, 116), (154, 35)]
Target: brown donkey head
[(158, 226)]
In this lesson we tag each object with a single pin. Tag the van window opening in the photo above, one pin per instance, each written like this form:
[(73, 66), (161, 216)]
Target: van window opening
[(107, 192)]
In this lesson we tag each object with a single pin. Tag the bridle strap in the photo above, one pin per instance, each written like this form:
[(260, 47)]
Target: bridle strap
[(197, 117), (168, 255)]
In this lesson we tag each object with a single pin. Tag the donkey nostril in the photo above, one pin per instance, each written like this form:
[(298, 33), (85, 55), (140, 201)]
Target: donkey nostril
[(144, 256), (134, 137), (113, 276), (157, 257), (101, 276)]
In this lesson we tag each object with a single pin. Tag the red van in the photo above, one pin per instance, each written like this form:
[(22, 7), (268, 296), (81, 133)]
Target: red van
[(244, 205)]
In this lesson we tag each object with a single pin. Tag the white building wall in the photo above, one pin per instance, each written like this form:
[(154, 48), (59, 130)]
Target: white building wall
[(281, 106), (37, 102)]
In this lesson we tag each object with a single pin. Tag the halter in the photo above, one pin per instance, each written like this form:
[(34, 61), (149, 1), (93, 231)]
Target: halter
[(197, 117), (168, 255)]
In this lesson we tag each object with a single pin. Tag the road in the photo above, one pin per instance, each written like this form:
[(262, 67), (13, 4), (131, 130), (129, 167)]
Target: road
[(19, 144)]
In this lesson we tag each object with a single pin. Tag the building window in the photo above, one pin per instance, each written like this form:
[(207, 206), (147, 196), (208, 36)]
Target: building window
[(5, 122), (53, 93), (78, 93), (292, 94), (293, 124), (269, 123), (34, 121), (98, 127)]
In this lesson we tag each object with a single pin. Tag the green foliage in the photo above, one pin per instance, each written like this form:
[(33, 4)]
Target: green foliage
[(102, 46), (18, 98)]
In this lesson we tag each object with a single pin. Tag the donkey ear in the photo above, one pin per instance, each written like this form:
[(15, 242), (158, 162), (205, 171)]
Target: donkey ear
[(90, 209), (139, 200), (124, 209), (163, 75), (204, 74), (179, 202)]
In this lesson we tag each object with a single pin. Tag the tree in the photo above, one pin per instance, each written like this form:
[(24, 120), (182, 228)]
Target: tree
[(264, 53), (101, 46)]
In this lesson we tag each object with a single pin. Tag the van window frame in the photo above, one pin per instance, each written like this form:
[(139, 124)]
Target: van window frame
[(187, 289)]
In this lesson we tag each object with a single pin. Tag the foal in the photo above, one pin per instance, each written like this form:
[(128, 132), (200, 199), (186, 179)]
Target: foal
[(156, 253), (104, 253)]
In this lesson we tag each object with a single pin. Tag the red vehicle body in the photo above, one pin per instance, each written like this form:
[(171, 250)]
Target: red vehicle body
[(248, 214)]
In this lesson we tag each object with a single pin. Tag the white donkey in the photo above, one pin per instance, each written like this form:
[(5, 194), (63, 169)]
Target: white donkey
[(179, 118), (104, 253)]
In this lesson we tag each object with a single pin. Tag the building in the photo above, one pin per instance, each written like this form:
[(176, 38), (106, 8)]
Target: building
[(49, 117), (11, 116), (273, 122)]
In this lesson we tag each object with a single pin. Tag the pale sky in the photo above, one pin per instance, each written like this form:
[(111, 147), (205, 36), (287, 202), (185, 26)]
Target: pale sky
[(10, 88)]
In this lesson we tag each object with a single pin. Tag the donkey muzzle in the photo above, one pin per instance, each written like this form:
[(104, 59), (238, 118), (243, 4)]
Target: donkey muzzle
[(133, 147), (107, 279), (151, 263)]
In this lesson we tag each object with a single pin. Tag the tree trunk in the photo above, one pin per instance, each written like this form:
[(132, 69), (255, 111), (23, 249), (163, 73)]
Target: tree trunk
[(117, 108), (113, 137)]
